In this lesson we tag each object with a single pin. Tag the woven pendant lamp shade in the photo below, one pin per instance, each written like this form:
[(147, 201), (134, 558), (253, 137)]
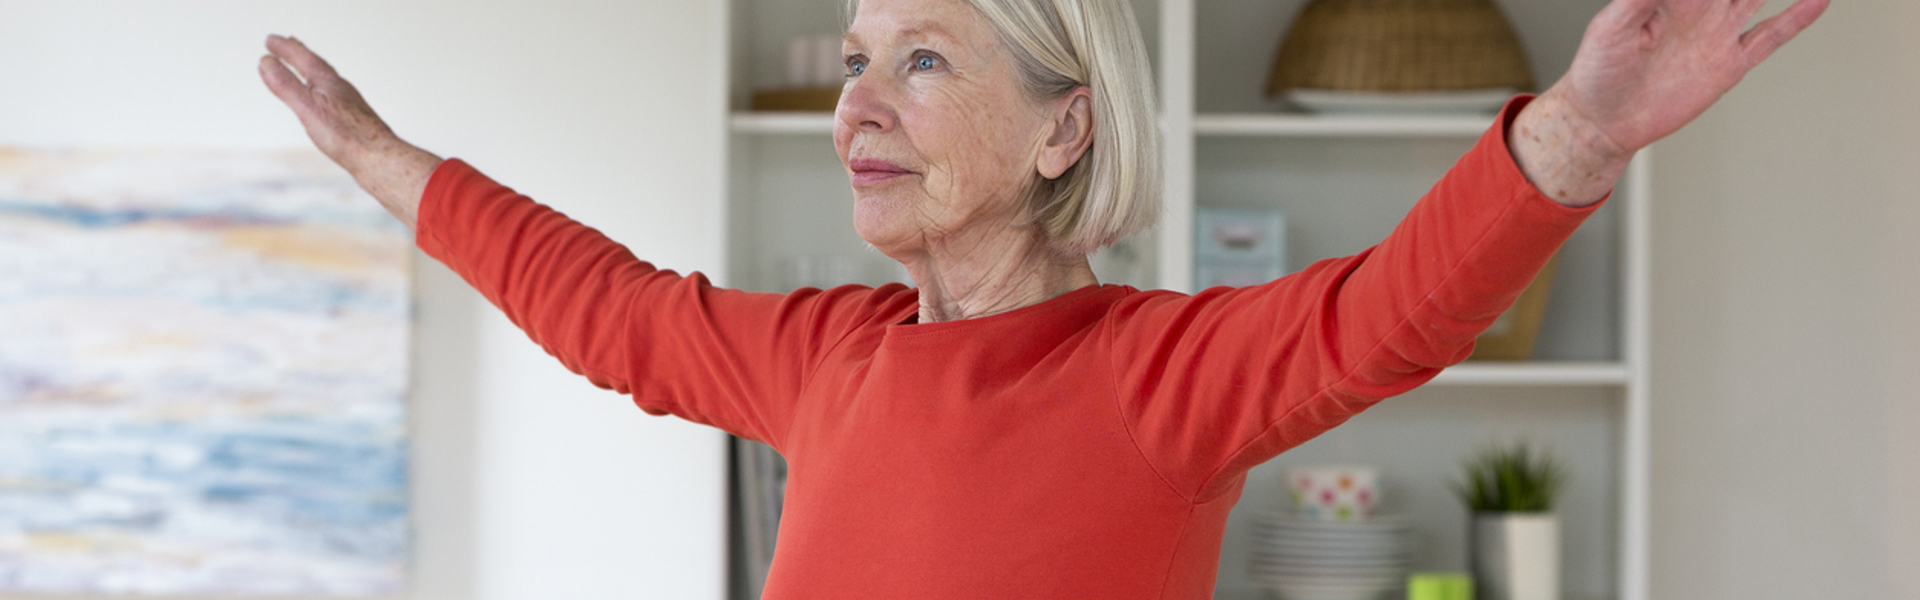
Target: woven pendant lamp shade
[(1400, 46)]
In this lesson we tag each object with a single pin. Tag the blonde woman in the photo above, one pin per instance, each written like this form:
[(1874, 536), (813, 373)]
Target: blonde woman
[(1007, 426)]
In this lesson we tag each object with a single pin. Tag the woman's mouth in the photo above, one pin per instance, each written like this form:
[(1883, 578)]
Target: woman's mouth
[(867, 171)]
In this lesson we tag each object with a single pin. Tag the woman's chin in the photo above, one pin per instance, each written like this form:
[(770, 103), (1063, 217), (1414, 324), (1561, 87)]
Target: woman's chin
[(884, 227)]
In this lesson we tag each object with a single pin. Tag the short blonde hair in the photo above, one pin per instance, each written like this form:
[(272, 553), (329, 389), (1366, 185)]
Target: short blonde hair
[(1113, 191)]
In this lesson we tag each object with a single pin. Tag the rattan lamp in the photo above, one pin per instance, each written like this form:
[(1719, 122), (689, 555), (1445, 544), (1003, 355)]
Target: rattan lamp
[(1400, 46)]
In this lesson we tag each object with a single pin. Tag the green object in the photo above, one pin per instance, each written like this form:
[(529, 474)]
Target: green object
[(1439, 586), (1511, 479)]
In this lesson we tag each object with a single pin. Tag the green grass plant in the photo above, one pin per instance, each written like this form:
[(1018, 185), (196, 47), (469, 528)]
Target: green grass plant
[(1514, 478)]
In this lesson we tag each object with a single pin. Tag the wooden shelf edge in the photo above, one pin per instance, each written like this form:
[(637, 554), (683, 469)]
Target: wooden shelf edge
[(784, 123), (1590, 374), (1303, 125)]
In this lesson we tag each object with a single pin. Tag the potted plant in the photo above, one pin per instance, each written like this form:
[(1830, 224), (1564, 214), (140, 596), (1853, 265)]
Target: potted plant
[(1515, 536)]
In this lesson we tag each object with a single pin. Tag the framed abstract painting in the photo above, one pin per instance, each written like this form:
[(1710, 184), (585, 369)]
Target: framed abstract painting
[(203, 376)]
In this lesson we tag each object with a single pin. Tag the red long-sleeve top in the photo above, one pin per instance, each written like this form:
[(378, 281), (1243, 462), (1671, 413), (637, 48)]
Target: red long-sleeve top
[(1089, 446)]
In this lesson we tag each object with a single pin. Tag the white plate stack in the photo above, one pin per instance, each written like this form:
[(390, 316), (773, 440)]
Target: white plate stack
[(1308, 559)]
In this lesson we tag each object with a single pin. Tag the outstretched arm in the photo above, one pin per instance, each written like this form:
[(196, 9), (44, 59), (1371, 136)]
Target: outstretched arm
[(731, 359), (1212, 384), (1644, 69), (346, 129)]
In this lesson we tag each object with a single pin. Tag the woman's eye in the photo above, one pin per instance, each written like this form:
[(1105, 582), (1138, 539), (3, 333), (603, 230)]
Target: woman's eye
[(925, 63), (856, 66)]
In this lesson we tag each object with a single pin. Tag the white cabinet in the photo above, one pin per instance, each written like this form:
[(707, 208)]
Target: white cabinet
[(1343, 182)]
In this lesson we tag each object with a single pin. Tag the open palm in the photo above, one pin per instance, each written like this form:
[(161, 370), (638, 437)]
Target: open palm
[(1647, 67)]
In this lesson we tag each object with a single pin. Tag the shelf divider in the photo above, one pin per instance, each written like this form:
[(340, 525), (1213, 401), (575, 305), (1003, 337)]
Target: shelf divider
[(1535, 373), (1243, 125), (781, 123), (1308, 125), (1218, 125)]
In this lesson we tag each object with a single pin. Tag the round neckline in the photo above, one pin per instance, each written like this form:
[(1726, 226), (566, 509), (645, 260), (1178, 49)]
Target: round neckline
[(1049, 305)]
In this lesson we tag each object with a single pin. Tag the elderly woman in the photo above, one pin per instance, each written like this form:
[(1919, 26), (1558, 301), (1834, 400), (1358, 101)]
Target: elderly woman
[(1008, 427)]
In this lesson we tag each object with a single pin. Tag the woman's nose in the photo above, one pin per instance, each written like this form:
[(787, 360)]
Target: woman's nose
[(866, 105)]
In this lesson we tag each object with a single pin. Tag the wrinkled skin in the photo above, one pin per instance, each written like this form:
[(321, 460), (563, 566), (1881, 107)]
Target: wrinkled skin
[(932, 91)]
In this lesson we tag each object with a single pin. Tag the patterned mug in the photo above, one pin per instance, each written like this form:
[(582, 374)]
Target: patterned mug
[(1335, 493)]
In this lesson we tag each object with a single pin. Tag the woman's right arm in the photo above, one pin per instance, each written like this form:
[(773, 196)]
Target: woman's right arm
[(678, 345), (346, 129)]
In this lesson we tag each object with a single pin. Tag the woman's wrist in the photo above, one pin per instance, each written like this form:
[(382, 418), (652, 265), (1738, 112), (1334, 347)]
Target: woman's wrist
[(1564, 153), (393, 172)]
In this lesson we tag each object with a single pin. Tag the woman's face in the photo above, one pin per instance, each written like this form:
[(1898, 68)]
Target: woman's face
[(937, 136)]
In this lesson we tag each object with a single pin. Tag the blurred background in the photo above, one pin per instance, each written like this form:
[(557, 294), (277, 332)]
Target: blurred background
[(1785, 444)]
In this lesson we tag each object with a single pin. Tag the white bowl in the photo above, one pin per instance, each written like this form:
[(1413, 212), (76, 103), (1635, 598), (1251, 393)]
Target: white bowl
[(1317, 547), (1330, 592), (1452, 102), (1312, 536), (1332, 551), (1298, 581), (1333, 562), (1329, 574), (1293, 521)]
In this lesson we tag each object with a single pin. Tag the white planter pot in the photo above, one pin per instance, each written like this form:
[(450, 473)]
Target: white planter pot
[(1516, 556)]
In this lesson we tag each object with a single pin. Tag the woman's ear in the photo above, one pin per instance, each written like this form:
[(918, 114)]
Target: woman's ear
[(1071, 119)]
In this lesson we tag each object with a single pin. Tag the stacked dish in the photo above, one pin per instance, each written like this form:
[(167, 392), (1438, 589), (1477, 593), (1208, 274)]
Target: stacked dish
[(1308, 559)]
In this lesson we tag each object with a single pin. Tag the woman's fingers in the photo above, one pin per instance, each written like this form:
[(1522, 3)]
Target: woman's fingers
[(283, 83), (344, 128), (1633, 10), (1626, 17), (1760, 42), (312, 68), (336, 118)]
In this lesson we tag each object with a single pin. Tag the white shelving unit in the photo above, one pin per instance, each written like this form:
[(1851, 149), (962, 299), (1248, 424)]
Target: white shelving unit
[(1343, 183)]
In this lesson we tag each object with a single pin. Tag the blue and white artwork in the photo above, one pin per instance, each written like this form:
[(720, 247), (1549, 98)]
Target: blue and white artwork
[(203, 370)]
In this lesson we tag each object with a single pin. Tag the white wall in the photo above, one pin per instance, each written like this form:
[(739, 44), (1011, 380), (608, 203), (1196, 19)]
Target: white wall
[(1786, 346), (528, 483)]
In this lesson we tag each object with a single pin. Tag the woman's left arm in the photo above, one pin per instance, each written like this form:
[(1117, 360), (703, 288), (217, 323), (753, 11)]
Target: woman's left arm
[(1213, 384), (1644, 69)]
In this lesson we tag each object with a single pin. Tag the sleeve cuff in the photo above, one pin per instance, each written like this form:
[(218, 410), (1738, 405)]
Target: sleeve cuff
[(428, 216)]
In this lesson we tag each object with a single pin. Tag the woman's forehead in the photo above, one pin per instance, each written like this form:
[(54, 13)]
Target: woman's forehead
[(911, 31), (908, 20)]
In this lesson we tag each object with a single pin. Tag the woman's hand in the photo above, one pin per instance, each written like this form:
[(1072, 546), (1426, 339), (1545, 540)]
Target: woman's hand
[(1644, 69), (341, 124)]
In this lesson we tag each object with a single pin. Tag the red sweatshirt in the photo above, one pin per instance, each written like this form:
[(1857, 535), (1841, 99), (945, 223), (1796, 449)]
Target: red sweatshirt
[(1089, 446)]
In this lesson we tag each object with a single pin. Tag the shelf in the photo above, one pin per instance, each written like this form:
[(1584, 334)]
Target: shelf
[(1535, 374), (1304, 125), (1242, 125), (782, 123)]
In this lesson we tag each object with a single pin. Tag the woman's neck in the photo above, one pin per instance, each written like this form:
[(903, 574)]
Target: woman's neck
[(992, 274)]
